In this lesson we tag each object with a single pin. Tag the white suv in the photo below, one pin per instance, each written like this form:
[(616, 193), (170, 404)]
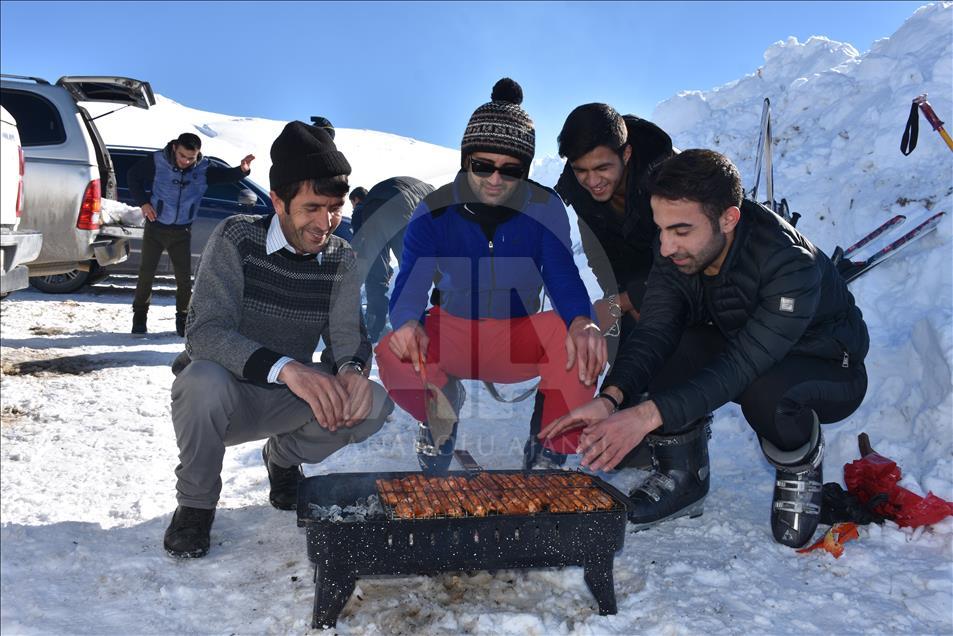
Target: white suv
[(67, 169), (16, 247)]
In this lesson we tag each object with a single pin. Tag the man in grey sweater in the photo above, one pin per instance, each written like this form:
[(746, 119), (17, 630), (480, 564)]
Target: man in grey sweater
[(269, 289)]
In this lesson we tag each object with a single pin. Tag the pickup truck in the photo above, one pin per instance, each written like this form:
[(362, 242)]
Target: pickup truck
[(68, 170), (17, 247)]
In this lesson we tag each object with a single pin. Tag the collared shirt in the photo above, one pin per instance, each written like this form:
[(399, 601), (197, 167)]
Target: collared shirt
[(275, 241)]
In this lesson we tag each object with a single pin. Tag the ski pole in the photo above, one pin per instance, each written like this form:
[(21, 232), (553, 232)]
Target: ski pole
[(910, 132)]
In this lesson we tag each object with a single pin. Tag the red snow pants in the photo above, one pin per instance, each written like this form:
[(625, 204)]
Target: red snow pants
[(500, 351)]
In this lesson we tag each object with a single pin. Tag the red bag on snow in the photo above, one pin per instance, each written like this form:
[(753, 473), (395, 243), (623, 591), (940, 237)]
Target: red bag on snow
[(874, 474)]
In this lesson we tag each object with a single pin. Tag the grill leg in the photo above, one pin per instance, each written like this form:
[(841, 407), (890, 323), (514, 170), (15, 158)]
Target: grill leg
[(333, 587), (597, 573)]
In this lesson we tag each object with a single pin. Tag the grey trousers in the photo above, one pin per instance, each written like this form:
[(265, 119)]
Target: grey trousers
[(212, 409)]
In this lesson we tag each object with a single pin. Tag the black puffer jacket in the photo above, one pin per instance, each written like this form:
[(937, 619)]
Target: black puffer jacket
[(380, 220), (776, 294), (620, 251)]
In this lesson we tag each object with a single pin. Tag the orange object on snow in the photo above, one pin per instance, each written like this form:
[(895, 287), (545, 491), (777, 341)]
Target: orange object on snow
[(835, 538), (874, 474)]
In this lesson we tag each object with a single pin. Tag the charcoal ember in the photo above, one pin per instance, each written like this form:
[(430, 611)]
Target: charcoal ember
[(360, 510)]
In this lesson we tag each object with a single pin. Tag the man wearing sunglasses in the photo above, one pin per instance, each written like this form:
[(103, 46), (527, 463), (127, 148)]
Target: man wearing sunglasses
[(496, 239)]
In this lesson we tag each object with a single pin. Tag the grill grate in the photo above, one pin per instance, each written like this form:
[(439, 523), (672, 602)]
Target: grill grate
[(488, 494)]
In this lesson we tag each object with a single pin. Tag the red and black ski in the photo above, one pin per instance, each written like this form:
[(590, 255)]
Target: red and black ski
[(890, 224), (850, 270)]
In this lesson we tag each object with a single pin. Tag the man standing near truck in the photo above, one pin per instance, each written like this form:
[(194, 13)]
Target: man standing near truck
[(179, 176)]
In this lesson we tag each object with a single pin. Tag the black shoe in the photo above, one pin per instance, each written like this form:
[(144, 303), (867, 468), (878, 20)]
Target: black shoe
[(180, 323), (139, 322), (436, 461), (679, 482), (798, 490), (187, 536), (535, 455), (284, 483)]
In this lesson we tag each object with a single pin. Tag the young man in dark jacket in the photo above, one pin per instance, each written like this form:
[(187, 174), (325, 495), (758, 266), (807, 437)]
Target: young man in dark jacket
[(740, 307), (607, 159), (176, 179), (496, 239)]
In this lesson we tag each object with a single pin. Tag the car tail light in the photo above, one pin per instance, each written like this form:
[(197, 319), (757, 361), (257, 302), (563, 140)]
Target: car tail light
[(90, 208), (20, 183)]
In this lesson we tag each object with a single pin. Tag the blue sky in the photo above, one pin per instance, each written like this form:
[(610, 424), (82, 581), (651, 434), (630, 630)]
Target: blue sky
[(419, 69)]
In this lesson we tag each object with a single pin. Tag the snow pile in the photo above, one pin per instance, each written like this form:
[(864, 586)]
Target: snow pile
[(837, 120), (88, 450)]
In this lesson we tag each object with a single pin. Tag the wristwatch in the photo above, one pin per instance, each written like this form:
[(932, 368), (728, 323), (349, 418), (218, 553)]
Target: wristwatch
[(353, 364), (615, 310)]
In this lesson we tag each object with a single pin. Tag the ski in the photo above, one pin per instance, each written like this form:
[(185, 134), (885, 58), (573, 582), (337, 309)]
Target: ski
[(850, 270), (891, 223)]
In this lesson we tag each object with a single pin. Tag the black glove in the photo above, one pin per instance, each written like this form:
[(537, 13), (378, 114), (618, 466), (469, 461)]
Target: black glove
[(839, 506)]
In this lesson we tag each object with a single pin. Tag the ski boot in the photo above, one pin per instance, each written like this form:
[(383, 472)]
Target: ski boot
[(679, 480), (798, 489)]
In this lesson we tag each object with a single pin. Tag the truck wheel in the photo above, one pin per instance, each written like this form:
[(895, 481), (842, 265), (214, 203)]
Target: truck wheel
[(60, 283)]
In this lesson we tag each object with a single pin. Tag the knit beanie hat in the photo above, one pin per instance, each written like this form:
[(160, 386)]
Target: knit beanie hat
[(303, 152), (501, 126)]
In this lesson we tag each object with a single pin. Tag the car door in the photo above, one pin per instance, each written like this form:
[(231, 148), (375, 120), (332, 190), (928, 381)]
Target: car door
[(120, 90)]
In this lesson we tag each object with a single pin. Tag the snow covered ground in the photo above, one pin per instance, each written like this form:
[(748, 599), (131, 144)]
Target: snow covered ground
[(87, 448)]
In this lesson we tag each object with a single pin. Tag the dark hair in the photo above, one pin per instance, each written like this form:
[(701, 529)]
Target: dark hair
[(699, 175), (323, 122), (335, 186), (191, 141), (358, 193), (590, 126)]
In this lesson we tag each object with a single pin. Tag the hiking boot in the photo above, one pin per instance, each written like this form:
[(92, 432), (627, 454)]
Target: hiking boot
[(180, 323), (679, 480), (432, 460), (139, 321), (187, 536), (798, 489), (284, 483)]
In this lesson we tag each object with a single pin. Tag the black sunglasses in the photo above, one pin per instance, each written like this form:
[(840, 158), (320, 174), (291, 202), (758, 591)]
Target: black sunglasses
[(485, 169)]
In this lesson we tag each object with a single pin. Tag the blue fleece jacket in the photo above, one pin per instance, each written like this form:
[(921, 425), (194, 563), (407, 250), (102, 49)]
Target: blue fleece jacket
[(488, 278)]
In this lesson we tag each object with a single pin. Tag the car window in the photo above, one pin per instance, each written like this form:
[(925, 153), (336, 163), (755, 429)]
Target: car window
[(122, 163), (38, 120), (224, 191)]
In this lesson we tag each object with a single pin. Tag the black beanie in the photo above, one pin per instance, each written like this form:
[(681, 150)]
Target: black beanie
[(501, 126), (302, 152)]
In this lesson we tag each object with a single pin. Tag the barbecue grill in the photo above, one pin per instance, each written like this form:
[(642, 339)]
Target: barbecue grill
[(383, 543)]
